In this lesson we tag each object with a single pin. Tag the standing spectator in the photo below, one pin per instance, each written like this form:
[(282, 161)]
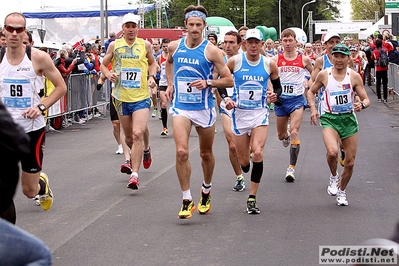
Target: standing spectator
[(61, 65), (381, 73), (112, 37), (28, 111), (189, 70)]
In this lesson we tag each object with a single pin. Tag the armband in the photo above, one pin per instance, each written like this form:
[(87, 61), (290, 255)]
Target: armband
[(277, 86), (223, 92)]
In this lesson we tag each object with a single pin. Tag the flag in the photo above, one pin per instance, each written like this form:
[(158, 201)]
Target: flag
[(79, 43)]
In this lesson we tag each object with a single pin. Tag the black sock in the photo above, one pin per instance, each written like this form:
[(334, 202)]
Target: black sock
[(42, 185), (245, 169), (164, 117), (252, 197)]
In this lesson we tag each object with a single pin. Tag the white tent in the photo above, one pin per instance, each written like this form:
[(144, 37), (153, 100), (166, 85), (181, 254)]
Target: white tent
[(365, 33)]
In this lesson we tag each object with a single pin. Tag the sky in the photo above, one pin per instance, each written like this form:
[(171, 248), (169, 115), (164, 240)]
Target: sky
[(30, 5)]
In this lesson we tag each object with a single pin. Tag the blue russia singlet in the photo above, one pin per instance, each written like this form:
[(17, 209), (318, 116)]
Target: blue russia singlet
[(190, 64), (250, 83)]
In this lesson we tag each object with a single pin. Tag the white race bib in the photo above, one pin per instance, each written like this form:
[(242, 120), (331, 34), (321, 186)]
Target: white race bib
[(17, 93), (187, 93), (291, 89), (341, 101), (250, 97), (131, 78)]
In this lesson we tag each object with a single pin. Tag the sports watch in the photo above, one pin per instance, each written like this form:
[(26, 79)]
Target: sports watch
[(209, 83), (42, 108)]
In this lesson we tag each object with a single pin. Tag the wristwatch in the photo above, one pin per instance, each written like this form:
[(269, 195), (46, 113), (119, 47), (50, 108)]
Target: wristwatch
[(42, 108), (209, 83), (363, 105)]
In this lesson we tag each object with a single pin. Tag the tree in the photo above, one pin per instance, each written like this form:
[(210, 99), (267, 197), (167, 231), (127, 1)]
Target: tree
[(365, 9), (259, 12)]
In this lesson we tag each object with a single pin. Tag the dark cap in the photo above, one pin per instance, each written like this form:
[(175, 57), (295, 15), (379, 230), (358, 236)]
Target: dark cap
[(340, 48)]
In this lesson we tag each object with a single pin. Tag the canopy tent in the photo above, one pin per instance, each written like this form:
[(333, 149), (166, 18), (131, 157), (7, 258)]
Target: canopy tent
[(373, 28), (70, 26)]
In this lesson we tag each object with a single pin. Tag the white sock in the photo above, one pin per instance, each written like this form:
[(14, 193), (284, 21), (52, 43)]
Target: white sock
[(206, 187), (240, 177), (187, 195)]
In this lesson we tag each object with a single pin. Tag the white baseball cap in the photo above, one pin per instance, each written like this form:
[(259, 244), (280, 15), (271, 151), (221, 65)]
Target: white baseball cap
[(254, 33), (130, 17), (330, 35)]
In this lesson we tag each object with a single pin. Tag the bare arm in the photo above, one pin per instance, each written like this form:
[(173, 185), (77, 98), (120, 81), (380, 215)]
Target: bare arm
[(358, 87), (42, 63), (111, 76), (152, 65), (169, 69), (318, 66), (317, 84)]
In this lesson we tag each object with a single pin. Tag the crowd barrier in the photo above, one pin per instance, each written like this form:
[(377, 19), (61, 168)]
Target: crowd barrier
[(81, 95), (393, 81)]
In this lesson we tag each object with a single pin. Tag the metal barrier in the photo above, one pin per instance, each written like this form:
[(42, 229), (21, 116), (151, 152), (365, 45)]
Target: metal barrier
[(393, 81), (81, 95)]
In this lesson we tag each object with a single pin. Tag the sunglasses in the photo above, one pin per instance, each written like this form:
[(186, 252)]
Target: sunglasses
[(11, 29)]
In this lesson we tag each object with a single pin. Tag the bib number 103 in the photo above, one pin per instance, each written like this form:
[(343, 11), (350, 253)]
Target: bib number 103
[(341, 99), (16, 90)]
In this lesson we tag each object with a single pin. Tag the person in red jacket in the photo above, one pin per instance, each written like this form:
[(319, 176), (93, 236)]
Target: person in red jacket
[(381, 72), (65, 71)]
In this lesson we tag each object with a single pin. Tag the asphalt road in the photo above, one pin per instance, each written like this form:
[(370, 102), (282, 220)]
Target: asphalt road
[(96, 220)]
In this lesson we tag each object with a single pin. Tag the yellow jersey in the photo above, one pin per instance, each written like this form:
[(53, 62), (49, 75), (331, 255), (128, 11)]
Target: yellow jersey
[(131, 63)]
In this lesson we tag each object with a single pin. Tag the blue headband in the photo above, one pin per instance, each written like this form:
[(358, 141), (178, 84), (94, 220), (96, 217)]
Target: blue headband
[(196, 13)]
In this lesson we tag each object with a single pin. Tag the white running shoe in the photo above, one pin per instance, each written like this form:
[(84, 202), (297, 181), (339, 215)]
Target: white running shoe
[(120, 149), (287, 140), (289, 176), (332, 188), (341, 198)]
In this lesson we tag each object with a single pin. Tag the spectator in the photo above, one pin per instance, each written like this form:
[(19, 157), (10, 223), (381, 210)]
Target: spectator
[(112, 38), (381, 71), (65, 71)]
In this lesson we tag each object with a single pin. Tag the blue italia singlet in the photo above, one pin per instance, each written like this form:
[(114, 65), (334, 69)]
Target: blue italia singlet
[(190, 64)]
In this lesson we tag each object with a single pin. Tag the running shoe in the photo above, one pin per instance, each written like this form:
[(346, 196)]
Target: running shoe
[(204, 205), (287, 140), (154, 113), (46, 200), (147, 160), (342, 158), (289, 176), (332, 188), (126, 167), (341, 198), (240, 184), (164, 132), (133, 182), (187, 209), (120, 149), (252, 207)]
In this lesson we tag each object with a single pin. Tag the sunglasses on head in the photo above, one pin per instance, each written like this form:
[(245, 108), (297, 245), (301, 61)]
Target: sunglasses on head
[(11, 29)]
